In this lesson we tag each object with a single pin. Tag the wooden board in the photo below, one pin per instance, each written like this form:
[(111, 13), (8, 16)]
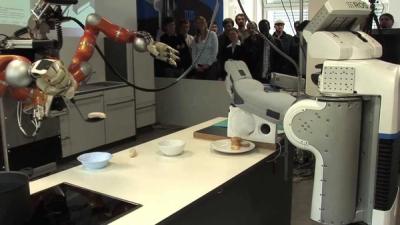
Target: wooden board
[(214, 133)]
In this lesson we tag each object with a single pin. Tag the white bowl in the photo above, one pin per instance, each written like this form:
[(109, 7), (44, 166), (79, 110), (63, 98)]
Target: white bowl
[(171, 147), (95, 160)]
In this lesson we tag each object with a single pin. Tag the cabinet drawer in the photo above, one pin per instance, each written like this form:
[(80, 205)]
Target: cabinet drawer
[(120, 122), (146, 116), (82, 135), (118, 95)]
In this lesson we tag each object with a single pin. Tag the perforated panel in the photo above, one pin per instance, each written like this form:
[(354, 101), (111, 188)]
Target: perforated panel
[(337, 80)]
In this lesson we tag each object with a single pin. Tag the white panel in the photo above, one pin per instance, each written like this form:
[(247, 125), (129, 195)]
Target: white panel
[(292, 112), (337, 80)]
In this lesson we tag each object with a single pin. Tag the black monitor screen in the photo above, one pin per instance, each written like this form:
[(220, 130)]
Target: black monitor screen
[(390, 41)]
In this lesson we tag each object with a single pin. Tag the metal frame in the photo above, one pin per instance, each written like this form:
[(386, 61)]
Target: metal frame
[(3, 136)]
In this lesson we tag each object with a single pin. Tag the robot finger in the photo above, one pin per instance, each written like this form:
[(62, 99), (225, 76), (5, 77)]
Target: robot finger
[(174, 57), (167, 60), (172, 62), (172, 50)]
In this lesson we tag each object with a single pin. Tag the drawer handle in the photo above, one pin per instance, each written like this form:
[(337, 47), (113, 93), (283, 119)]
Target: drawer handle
[(117, 103), (88, 97)]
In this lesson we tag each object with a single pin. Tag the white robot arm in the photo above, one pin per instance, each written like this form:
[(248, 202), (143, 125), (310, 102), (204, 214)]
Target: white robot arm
[(254, 112)]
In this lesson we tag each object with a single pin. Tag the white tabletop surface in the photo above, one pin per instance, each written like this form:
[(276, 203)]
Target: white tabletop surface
[(163, 185)]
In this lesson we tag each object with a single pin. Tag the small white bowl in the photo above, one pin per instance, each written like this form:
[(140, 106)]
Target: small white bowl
[(171, 147), (95, 160)]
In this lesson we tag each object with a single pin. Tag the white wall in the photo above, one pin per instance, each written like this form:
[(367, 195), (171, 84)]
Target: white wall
[(253, 9), (394, 9)]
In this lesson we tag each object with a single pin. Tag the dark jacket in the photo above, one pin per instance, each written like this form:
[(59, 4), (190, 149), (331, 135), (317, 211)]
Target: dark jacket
[(254, 54), (230, 54), (178, 42), (281, 64), (223, 41), (285, 41)]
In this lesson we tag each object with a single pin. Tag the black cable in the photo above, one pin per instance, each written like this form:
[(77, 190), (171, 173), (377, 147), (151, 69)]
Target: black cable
[(77, 109), (59, 31), (18, 33), (291, 9), (287, 14)]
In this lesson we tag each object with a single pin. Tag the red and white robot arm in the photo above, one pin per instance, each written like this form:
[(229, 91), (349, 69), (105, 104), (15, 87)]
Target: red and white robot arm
[(36, 84), (142, 42)]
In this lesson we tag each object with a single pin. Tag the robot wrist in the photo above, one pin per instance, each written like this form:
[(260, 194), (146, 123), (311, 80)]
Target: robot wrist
[(142, 40)]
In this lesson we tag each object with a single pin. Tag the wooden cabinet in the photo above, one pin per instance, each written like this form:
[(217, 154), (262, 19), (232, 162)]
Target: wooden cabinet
[(77, 135)]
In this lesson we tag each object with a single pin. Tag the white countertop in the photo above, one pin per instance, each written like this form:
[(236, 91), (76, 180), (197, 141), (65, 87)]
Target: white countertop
[(163, 185)]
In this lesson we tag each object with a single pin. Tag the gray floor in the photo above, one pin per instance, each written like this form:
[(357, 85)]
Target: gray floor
[(301, 203), (302, 189)]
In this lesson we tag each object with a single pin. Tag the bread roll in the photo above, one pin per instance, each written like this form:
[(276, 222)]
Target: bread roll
[(235, 143)]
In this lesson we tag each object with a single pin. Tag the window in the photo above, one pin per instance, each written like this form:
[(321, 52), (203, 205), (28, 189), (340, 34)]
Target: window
[(274, 10)]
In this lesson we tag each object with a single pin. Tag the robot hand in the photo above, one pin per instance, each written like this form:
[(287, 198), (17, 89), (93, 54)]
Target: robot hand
[(53, 78), (159, 50), (163, 52)]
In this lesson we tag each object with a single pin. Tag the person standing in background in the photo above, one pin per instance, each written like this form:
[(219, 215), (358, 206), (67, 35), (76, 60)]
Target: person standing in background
[(233, 51), (268, 53), (214, 27), (265, 27), (282, 37), (206, 66), (183, 29), (223, 38), (171, 38), (253, 48), (386, 21), (223, 41), (241, 21), (284, 42)]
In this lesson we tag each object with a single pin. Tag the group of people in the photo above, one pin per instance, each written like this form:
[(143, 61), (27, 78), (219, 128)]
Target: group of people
[(211, 50), (245, 42)]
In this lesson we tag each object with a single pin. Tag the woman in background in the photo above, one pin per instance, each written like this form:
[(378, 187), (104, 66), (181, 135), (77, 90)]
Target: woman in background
[(206, 66)]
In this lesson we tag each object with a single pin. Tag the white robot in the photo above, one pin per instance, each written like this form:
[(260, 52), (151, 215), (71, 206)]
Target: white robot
[(350, 122)]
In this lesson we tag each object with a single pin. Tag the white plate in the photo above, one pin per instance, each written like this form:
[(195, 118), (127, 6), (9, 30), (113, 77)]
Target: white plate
[(225, 146)]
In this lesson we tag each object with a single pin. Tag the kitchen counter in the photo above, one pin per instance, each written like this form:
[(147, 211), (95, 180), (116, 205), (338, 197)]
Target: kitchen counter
[(163, 185)]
